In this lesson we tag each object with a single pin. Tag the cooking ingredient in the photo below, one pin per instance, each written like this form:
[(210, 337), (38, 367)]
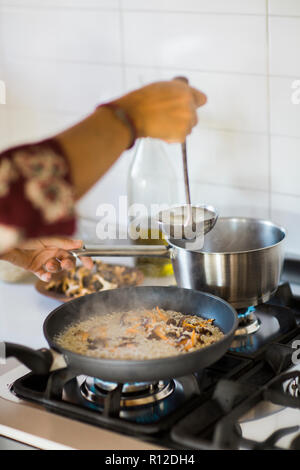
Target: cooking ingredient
[(152, 182), (139, 334), (81, 281)]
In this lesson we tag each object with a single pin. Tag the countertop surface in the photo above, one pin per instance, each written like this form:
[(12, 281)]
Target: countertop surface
[(23, 311)]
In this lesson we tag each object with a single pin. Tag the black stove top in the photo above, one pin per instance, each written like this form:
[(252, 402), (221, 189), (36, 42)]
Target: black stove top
[(197, 411)]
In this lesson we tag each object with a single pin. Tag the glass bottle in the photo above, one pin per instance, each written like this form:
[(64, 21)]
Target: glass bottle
[(152, 183)]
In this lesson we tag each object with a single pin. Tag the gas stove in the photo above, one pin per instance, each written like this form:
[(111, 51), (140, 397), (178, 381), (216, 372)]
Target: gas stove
[(206, 410)]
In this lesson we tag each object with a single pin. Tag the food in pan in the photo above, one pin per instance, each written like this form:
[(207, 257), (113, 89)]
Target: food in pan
[(81, 281), (139, 334)]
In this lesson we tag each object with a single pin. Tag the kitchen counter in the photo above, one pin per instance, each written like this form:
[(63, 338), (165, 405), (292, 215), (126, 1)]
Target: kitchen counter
[(23, 311)]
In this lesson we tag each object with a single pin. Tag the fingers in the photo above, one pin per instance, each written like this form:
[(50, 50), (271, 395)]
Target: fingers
[(66, 260), (43, 275), (68, 264), (53, 266), (194, 119), (63, 262), (182, 79), (45, 242), (87, 262), (199, 98), (63, 243), (45, 257)]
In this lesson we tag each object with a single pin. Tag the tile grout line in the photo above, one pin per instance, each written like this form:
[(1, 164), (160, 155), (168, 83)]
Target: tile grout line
[(40, 60), (122, 37), (268, 110), (243, 188), (16, 6), (75, 112), (11, 6)]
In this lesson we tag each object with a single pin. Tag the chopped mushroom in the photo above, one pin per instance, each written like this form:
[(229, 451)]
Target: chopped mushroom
[(142, 334), (81, 281)]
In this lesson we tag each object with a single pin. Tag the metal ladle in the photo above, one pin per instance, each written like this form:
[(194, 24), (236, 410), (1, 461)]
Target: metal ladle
[(176, 225), (186, 222)]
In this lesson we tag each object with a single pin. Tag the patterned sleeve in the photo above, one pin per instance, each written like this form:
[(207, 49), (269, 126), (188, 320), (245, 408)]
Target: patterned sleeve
[(36, 194)]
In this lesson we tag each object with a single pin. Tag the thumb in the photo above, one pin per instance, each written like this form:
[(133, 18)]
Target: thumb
[(199, 97), (63, 243), (18, 257)]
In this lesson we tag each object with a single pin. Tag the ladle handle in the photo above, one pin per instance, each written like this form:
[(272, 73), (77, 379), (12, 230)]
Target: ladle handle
[(186, 174), (185, 170), (161, 251)]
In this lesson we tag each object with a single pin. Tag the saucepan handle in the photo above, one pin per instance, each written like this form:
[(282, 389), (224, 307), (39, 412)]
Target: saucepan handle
[(38, 361), (161, 251)]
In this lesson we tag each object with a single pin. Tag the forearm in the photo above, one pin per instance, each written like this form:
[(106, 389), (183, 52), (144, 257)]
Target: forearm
[(38, 181), (92, 146), (163, 110)]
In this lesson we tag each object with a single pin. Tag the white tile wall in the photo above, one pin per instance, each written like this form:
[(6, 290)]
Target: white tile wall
[(286, 212), (229, 43), (29, 33), (229, 158), (1, 42), (62, 86), (58, 34), (27, 125), (60, 58), (230, 201), (285, 153), (90, 36), (101, 4), (200, 6), (284, 45), (284, 114), (284, 7), (5, 139), (106, 191), (232, 99)]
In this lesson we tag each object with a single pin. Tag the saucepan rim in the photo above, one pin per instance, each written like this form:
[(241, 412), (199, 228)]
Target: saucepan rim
[(173, 244)]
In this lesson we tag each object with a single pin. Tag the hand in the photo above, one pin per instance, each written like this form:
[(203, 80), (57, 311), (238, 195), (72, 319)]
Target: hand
[(46, 256), (163, 110)]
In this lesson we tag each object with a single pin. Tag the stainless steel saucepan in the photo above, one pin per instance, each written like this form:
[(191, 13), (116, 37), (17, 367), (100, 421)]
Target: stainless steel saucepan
[(241, 260)]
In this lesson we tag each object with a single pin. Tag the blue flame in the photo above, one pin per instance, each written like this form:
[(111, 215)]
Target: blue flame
[(248, 311)]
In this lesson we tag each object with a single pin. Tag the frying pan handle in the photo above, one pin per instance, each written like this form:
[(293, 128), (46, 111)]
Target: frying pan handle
[(39, 361), (161, 251)]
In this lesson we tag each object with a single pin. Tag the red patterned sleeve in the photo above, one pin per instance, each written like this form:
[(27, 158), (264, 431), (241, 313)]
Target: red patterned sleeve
[(36, 193)]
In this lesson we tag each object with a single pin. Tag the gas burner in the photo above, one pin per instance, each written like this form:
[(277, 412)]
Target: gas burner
[(293, 387), (242, 343), (132, 394), (248, 322)]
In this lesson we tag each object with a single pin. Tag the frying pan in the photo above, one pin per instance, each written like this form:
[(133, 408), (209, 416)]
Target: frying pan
[(186, 301)]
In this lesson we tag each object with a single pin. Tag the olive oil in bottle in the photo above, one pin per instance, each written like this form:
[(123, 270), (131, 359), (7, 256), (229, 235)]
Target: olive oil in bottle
[(152, 185)]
